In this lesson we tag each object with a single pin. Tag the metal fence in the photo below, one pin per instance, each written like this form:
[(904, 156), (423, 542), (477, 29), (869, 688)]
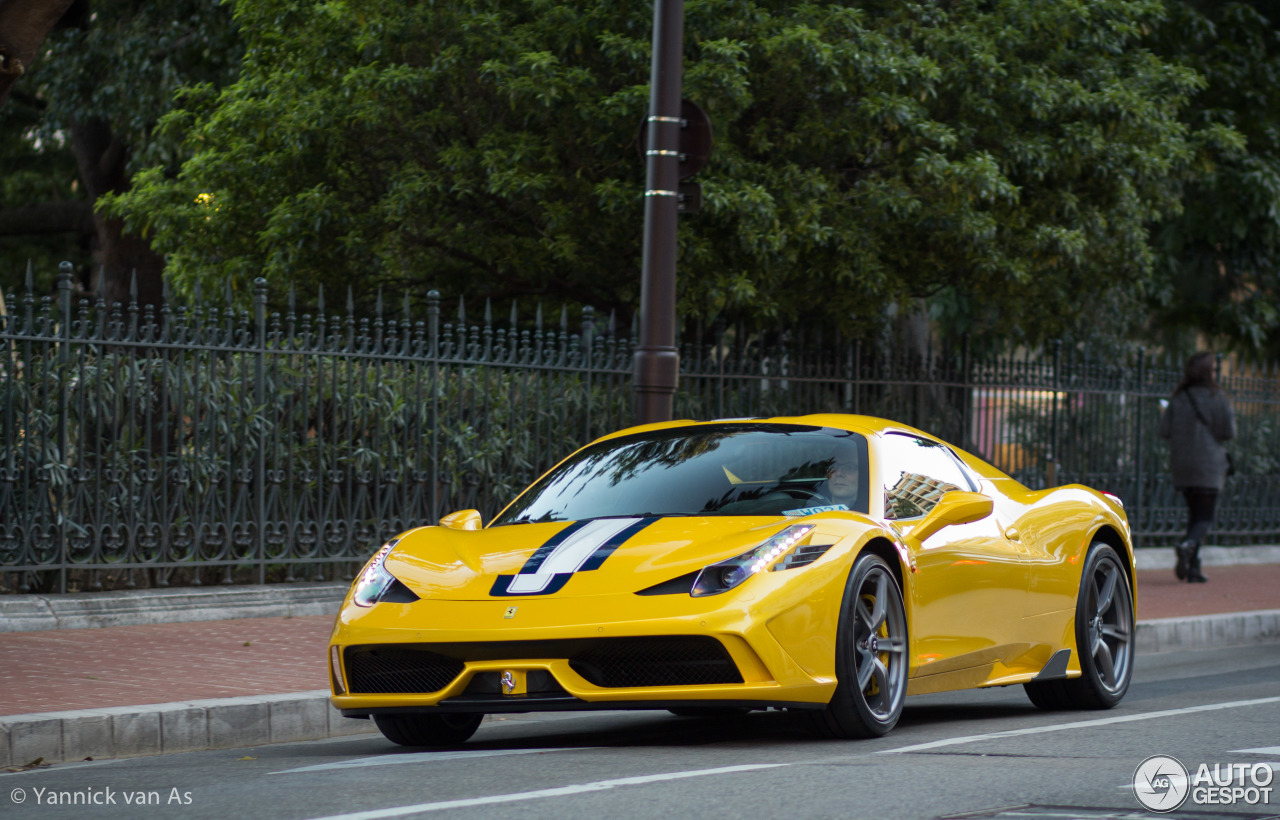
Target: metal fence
[(203, 443)]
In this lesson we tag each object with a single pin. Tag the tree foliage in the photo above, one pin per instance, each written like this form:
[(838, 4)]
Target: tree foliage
[(1004, 159), (1219, 260), (83, 118)]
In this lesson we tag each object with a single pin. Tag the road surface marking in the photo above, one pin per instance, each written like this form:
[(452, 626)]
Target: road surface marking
[(1077, 724), (423, 757), (562, 791)]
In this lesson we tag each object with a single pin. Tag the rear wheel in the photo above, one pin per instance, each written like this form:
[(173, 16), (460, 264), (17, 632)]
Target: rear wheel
[(1104, 639), (871, 655), (428, 730)]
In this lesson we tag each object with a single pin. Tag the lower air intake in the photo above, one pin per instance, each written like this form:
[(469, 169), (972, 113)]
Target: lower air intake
[(657, 661), (391, 669)]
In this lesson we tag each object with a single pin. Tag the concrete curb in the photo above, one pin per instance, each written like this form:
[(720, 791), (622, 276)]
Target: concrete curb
[(165, 728), (200, 725), (1208, 631), (85, 610)]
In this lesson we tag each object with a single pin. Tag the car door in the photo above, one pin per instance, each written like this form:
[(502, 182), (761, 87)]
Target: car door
[(969, 582)]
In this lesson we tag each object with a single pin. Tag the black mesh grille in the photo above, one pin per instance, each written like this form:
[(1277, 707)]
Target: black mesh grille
[(395, 669), (673, 660), (660, 661), (803, 556)]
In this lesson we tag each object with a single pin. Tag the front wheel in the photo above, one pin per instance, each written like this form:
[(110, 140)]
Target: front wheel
[(448, 729), (1104, 639), (871, 655)]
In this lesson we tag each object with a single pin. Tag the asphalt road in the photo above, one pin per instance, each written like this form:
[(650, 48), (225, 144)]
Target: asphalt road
[(975, 753)]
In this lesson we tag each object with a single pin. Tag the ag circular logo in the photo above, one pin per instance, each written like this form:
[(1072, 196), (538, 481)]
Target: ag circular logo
[(1161, 783)]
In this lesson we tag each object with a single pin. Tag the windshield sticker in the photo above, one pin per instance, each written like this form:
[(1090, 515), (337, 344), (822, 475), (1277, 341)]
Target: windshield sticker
[(812, 510), (580, 547)]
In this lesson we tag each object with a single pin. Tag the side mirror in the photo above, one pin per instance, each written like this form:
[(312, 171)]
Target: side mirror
[(462, 520), (956, 507)]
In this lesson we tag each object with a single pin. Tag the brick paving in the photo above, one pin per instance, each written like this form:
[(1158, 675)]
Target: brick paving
[(1238, 588), (66, 669), (164, 663)]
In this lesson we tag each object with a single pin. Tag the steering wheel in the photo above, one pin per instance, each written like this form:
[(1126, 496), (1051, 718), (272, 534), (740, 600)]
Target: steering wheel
[(806, 494)]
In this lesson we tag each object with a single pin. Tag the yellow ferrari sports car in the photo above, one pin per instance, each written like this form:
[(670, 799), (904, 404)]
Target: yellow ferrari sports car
[(828, 564)]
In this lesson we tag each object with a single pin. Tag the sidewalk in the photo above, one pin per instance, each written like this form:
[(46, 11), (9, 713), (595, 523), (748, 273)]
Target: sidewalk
[(149, 688)]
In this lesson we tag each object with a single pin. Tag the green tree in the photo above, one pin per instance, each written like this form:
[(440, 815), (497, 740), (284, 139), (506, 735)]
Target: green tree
[(82, 119), (1003, 159), (1219, 260)]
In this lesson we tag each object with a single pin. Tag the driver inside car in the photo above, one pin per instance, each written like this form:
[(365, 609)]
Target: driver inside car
[(841, 485)]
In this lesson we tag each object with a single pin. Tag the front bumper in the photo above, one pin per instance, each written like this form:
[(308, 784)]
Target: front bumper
[(780, 641)]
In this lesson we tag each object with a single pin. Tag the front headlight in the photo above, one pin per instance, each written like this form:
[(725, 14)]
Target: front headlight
[(726, 575), (375, 579)]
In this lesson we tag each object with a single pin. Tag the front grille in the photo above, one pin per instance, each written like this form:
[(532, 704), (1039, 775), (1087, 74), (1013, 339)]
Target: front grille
[(398, 669), (660, 661), (671, 660)]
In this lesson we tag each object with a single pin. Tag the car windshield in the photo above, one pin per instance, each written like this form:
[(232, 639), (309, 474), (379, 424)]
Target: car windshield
[(719, 469)]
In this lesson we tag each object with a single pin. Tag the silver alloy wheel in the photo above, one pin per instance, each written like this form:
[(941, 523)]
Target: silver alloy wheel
[(879, 644), (1110, 626)]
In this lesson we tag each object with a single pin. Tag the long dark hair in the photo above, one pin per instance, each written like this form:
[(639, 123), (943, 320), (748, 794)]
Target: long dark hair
[(1199, 372)]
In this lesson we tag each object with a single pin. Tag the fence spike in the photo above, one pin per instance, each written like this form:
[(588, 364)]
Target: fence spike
[(513, 314), (320, 301), (351, 301), (292, 299), (377, 308), (613, 322), (488, 312), (31, 278), (537, 321), (133, 285), (408, 315), (227, 293), (564, 319), (462, 311)]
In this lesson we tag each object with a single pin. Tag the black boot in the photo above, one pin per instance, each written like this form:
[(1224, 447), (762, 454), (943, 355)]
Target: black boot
[(1194, 575), (1185, 551)]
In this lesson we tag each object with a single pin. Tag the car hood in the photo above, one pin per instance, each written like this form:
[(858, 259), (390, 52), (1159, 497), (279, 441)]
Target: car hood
[(605, 556)]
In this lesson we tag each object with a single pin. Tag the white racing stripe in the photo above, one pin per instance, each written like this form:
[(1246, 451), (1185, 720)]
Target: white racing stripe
[(423, 757), (1265, 750), (562, 791), (570, 555), (1078, 724)]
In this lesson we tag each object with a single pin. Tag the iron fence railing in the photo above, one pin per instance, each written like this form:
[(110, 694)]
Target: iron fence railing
[(203, 443)]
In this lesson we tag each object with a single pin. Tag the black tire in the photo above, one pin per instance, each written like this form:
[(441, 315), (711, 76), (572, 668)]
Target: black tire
[(708, 711), (871, 648), (447, 729), (1104, 639)]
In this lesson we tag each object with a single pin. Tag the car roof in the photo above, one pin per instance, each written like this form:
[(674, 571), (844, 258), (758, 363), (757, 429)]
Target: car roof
[(867, 425)]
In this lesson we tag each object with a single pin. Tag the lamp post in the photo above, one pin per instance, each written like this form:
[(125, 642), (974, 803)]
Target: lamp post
[(657, 362)]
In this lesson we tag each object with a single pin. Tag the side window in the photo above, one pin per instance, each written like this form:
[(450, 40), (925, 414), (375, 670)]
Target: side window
[(917, 473)]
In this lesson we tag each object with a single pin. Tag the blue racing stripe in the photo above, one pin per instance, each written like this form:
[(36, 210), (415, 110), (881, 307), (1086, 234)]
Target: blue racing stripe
[(606, 549), (540, 554)]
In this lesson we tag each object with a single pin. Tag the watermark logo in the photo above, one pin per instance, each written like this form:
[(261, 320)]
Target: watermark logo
[(1161, 783)]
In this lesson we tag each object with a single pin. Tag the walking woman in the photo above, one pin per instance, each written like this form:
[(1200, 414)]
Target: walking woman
[(1196, 422)]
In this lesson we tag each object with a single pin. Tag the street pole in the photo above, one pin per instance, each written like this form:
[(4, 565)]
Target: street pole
[(657, 362)]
